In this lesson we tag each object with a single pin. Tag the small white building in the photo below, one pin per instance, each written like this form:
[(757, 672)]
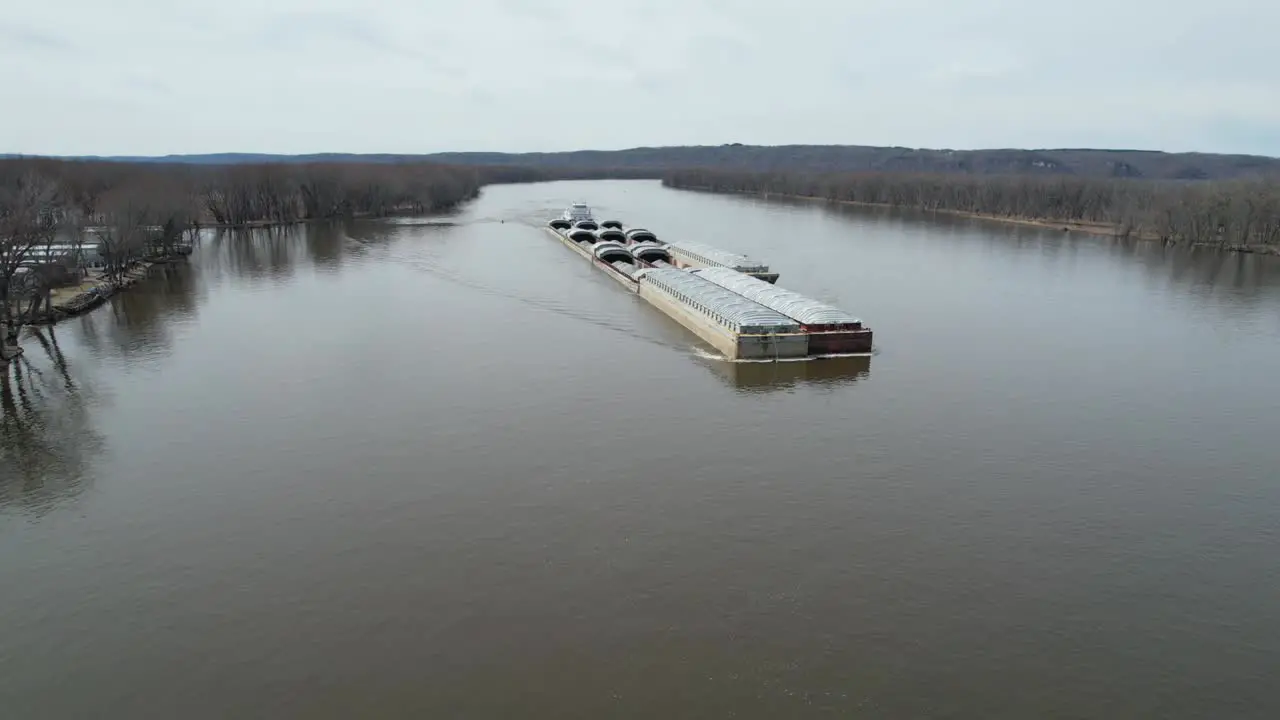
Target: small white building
[(87, 255)]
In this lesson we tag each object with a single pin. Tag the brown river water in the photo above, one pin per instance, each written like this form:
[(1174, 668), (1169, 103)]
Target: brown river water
[(387, 469)]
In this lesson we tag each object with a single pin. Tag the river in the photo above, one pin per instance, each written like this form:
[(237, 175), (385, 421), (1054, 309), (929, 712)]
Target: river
[(391, 469)]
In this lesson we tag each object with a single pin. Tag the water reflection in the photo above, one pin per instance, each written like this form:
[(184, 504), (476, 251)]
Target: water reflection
[(46, 433), (276, 254), (824, 373), (325, 246), (140, 321), (270, 254), (1240, 279)]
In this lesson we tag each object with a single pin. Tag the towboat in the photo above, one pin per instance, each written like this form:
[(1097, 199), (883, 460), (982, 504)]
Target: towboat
[(577, 212)]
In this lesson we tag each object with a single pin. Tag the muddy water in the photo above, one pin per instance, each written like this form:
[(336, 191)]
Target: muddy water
[(400, 470)]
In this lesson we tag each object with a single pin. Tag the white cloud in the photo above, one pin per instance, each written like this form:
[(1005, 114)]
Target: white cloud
[(159, 76)]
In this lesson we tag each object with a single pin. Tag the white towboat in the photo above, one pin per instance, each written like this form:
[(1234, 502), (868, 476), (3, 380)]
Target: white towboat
[(577, 212)]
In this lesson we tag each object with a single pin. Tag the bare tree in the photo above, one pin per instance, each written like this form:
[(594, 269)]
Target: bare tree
[(58, 262), (28, 219), (172, 210), (125, 234)]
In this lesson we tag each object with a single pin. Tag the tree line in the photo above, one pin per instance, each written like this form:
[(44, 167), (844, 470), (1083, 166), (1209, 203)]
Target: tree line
[(1237, 214), (249, 194)]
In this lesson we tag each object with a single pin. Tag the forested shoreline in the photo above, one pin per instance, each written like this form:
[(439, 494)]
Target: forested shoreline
[(134, 212), (55, 213), (1241, 215)]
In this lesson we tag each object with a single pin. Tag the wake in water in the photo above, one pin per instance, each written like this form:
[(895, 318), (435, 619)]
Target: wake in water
[(547, 305)]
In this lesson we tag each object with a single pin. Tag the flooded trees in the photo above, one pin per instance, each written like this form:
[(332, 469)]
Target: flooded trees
[(282, 194), (1237, 214), (55, 214), (128, 212), (29, 217), (250, 194), (173, 214), (63, 219), (333, 190)]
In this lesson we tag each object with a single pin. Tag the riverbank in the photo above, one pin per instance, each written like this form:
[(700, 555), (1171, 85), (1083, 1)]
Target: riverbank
[(1099, 229), (73, 300), (96, 289)]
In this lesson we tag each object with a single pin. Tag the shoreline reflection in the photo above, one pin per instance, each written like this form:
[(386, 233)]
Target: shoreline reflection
[(47, 434)]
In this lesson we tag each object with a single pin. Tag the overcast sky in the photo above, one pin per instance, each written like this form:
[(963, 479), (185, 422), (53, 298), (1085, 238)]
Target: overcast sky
[(178, 76)]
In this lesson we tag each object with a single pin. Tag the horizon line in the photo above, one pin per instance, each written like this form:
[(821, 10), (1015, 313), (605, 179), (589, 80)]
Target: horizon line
[(17, 155)]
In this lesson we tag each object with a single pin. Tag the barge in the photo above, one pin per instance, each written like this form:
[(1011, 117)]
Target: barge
[(602, 246), (639, 235), (831, 331), (728, 300), (696, 256), (739, 328)]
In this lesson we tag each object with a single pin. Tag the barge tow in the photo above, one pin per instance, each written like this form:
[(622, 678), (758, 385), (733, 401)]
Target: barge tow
[(728, 300)]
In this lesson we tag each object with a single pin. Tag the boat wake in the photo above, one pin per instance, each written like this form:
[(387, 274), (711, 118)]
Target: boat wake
[(546, 305)]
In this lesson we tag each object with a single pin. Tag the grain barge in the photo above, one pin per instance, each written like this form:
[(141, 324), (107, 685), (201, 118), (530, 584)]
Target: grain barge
[(726, 299), (739, 328), (604, 245), (696, 256), (688, 255), (831, 331)]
